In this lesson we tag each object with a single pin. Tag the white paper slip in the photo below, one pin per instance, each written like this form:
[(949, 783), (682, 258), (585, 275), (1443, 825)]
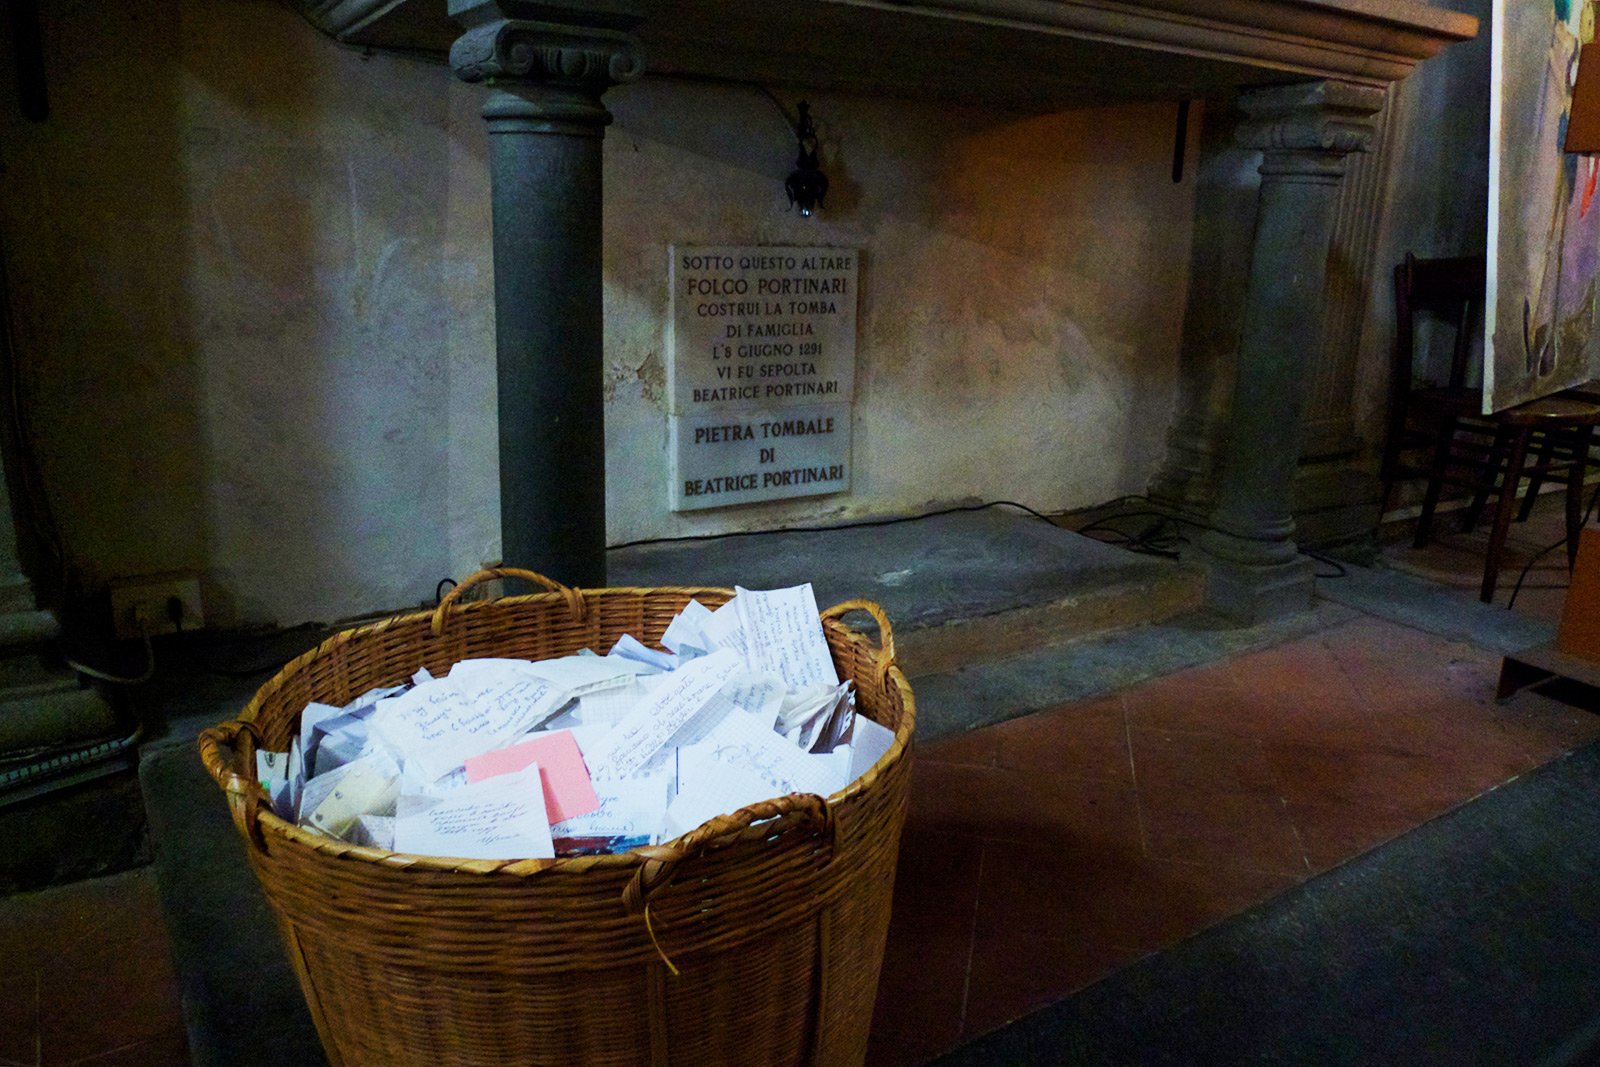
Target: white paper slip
[(373, 831), (760, 695), (725, 630), (501, 818), (274, 773), (366, 787), (582, 675), (785, 635), (415, 781), (869, 742), (422, 676), (725, 793), (742, 763), (803, 707), (671, 706), (628, 647), (313, 716), (476, 670), (316, 790), (337, 749), (834, 727), (437, 726), (685, 634), (742, 745), (290, 808), (363, 704), (629, 807)]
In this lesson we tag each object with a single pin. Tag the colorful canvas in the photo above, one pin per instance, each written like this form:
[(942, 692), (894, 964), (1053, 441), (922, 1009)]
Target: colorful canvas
[(1544, 219)]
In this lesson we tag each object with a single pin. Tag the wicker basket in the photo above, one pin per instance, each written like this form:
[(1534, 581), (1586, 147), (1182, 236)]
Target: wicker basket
[(774, 918)]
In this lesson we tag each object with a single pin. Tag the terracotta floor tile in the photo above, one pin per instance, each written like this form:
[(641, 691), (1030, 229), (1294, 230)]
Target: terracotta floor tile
[(1216, 675), (1300, 668), (1000, 804), (1166, 705), (1334, 832), (1167, 763), (1092, 894), (1545, 728), (1209, 827), (1372, 779), (1086, 740), (975, 748), (922, 987), (1015, 973), (910, 1048), (127, 979), (1187, 898), (19, 1018), (170, 1049)]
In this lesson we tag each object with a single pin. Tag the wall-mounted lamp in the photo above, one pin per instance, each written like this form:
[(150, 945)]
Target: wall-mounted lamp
[(807, 185)]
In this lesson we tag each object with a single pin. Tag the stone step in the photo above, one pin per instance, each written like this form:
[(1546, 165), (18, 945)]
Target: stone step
[(53, 716), (27, 629), (960, 588)]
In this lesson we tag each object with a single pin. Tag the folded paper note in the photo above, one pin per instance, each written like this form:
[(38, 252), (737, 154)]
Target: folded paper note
[(567, 790), (498, 819), (439, 724), (785, 635), (672, 706)]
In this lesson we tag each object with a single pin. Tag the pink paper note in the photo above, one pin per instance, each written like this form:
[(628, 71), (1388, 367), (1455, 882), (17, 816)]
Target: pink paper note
[(568, 792)]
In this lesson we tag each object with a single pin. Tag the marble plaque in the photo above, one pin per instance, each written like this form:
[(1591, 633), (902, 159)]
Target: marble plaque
[(761, 328), (765, 454), (761, 358)]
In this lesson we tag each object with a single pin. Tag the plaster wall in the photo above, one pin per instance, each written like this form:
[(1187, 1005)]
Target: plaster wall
[(251, 273), (1437, 205)]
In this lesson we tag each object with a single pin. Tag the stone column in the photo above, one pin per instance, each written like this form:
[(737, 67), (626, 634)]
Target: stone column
[(1304, 132), (546, 126)]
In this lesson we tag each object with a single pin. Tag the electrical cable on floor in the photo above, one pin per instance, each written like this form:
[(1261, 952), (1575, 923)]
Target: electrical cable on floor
[(866, 524), (1154, 542), (117, 679), (1543, 552)]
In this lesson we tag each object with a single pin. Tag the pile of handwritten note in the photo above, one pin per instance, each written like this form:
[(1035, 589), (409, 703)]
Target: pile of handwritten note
[(585, 754)]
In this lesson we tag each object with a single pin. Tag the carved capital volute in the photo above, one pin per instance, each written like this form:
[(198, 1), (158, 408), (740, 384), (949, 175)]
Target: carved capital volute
[(1327, 117), (591, 59)]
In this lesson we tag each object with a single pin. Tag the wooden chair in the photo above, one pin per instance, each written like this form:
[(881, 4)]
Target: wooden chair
[(1485, 454)]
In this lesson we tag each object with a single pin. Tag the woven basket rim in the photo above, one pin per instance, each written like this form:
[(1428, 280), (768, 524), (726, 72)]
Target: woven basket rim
[(298, 837)]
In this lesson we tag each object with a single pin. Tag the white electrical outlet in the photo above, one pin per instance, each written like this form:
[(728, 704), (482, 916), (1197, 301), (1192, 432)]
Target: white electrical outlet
[(158, 604)]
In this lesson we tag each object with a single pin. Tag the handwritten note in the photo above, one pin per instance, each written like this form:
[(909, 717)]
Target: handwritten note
[(497, 819), (581, 676), (567, 789), (438, 725), (725, 630), (628, 807), (760, 695), (785, 635), (672, 705), (739, 763)]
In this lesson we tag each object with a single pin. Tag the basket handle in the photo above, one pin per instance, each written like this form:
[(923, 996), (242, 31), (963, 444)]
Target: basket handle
[(660, 861), (574, 597), (886, 658), (244, 795)]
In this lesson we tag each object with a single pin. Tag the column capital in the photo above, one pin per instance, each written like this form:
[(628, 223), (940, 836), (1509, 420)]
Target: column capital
[(1330, 117), (590, 59)]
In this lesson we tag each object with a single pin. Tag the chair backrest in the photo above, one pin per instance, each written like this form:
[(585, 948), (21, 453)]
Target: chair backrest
[(1451, 291)]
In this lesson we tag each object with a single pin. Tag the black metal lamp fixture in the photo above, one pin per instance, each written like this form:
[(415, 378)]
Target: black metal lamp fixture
[(807, 185)]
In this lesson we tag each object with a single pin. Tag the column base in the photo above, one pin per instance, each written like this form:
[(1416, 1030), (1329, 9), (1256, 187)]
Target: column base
[(1252, 594)]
